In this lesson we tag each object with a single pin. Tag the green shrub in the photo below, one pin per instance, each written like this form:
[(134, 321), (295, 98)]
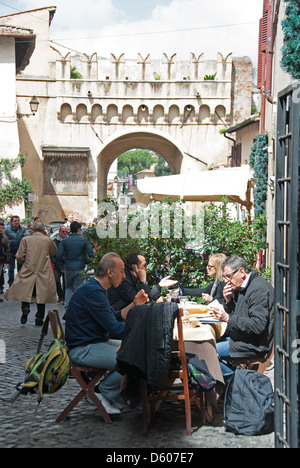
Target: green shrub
[(177, 254)]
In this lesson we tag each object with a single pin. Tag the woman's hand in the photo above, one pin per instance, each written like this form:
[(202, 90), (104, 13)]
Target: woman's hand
[(207, 297), (167, 282)]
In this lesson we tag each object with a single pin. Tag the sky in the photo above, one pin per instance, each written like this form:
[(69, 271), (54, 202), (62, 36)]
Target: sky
[(152, 26)]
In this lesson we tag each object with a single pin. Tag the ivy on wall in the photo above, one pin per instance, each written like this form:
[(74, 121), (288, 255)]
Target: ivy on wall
[(12, 189), (258, 161), (291, 41)]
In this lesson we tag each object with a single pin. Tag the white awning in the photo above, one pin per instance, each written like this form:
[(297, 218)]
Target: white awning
[(202, 186)]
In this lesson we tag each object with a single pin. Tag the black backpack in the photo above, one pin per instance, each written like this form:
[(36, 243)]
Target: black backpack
[(249, 404)]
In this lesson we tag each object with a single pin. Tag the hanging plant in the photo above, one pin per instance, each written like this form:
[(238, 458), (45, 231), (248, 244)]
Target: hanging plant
[(291, 41), (259, 162)]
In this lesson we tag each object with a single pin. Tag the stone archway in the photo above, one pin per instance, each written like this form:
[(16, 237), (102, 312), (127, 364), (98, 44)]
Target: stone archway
[(156, 142)]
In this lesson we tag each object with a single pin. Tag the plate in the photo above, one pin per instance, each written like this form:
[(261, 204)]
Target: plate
[(209, 320)]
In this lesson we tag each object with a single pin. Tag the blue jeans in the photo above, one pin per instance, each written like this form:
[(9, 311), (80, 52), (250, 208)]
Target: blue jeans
[(74, 279), (223, 353), (101, 355)]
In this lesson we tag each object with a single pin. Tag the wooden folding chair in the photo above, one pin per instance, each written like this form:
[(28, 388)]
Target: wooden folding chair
[(258, 364), (154, 397), (80, 373)]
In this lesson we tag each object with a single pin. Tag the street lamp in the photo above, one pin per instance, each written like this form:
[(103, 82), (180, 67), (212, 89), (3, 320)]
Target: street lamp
[(34, 104)]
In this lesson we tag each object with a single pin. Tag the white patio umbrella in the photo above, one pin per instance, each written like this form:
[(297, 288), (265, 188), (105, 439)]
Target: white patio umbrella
[(202, 186)]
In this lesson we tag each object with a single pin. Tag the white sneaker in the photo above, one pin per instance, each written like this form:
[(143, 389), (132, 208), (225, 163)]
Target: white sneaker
[(108, 406)]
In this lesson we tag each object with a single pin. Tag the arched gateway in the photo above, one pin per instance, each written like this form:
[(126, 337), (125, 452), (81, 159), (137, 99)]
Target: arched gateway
[(177, 108), (153, 140)]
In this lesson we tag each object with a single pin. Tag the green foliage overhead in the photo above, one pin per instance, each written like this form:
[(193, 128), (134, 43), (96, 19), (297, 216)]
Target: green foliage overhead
[(291, 41), (12, 189)]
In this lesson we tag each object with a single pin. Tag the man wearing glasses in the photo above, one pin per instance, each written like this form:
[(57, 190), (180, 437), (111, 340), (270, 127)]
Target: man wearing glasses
[(248, 312), (135, 280)]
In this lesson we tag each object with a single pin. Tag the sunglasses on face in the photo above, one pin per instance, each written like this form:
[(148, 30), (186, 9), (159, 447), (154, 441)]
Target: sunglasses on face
[(229, 277)]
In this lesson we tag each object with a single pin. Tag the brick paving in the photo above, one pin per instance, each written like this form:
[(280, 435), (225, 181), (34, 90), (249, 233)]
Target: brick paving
[(24, 424)]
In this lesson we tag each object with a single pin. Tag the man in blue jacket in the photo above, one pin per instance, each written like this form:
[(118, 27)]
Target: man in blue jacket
[(90, 321), (15, 232), (75, 251)]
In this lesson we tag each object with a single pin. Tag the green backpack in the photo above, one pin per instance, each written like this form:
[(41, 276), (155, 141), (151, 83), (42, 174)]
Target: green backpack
[(45, 373)]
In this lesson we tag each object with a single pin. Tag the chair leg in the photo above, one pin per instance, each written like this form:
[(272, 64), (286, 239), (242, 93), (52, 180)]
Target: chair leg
[(70, 406), (87, 386), (187, 403), (143, 386), (199, 398)]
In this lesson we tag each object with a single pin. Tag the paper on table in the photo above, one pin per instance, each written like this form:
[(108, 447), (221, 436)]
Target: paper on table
[(215, 305)]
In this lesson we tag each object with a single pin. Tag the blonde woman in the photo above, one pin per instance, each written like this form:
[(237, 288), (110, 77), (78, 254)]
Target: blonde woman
[(215, 289)]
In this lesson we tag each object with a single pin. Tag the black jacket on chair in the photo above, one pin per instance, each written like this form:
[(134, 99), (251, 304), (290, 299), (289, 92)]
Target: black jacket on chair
[(147, 342)]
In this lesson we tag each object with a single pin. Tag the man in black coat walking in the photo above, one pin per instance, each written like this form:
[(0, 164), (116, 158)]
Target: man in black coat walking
[(59, 266)]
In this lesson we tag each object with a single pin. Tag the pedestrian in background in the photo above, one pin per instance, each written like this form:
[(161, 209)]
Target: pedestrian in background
[(15, 232), (59, 266), (70, 219), (76, 251), (4, 255), (36, 273)]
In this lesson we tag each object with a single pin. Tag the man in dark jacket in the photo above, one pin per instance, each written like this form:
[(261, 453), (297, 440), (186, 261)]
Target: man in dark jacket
[(15, 232), (4, 255), (248, 312), (135, 280), (59, 266), (75, 251)]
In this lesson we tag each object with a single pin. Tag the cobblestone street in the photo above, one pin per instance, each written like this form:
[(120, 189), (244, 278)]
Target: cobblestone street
[(24, 424)]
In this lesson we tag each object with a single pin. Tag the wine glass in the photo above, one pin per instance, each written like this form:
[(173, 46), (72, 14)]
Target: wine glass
[(183, 301)]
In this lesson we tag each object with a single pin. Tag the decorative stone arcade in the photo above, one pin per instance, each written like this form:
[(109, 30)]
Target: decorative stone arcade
[(175, 108), (164, 106)]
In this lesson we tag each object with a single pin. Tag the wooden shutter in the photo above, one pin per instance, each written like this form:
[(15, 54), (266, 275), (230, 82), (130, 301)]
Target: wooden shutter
[(263, 42), (260, 58)]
